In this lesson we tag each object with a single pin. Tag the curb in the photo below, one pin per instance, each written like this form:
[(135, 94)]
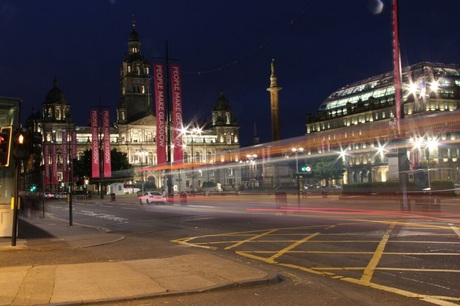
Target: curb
[(269, 280)]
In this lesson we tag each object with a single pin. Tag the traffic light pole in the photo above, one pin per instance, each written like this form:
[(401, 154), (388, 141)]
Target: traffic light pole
[(15, 202)]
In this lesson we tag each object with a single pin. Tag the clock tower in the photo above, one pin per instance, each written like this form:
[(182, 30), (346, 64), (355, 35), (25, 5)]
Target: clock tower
[(135, 92)]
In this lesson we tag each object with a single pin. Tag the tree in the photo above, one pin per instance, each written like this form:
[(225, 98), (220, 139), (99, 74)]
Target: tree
[(120, 164), (327, 168), (121, 168)]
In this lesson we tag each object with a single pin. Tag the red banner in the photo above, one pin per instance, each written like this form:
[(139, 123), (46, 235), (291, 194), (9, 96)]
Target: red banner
[(177, 111), (158, 84), (46, 163), (73, 145), (106, 144), (54, 164), (65, 155), (95, 160), (396, 63)]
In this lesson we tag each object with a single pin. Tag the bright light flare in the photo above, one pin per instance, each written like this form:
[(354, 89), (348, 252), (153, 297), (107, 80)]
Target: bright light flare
[(432, 143), (413, 88), (381, 149), (434, 85)]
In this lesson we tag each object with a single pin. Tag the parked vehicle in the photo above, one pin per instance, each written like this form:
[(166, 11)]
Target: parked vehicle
[(152, 197), (49, 195), (60, 195)]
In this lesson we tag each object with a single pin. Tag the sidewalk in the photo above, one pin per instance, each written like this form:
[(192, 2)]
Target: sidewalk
[(105, 281)]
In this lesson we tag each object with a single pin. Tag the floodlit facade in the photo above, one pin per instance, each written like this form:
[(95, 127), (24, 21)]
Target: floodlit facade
[(134, 130), (357, 122)]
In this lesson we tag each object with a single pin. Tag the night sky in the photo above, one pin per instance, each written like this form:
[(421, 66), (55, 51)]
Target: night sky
[(319, 46)]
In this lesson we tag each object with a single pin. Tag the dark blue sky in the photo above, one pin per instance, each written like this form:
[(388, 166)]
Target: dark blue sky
[(319, 46)]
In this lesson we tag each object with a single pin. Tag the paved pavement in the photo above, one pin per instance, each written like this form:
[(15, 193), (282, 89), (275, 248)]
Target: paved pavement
[(110, 281)]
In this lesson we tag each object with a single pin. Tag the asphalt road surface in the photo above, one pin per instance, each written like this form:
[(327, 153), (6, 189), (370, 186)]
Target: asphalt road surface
[(371, 252)]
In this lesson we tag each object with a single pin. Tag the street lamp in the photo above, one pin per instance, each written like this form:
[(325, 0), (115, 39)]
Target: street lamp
[(296, 151), (192, 132), (252, 168)]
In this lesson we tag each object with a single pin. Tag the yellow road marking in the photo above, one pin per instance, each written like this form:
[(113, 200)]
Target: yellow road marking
[(250, 239), (365, 280), (369, 271), (358, 253), (386, 269), (455, 229), (287, 249), (438, 300)]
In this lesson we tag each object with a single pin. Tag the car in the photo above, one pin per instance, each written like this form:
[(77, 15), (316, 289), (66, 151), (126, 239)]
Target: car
[(49, 195), (152, 197), (60, 195)]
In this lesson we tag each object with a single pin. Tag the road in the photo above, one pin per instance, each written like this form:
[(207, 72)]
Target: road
[(364, 248)]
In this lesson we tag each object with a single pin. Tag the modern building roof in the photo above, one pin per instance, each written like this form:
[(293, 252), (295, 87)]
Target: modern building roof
[(381, 87)]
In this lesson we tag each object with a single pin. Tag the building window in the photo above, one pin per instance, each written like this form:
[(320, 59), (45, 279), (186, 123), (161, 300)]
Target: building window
[(229, 172)]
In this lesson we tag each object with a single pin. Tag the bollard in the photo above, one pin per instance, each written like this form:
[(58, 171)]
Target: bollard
[(183, 198)]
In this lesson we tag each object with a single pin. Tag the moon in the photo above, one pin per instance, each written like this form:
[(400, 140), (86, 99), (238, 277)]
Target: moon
[(375, 6)]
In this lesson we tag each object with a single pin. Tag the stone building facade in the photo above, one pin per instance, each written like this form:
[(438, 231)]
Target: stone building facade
[(134, 130)]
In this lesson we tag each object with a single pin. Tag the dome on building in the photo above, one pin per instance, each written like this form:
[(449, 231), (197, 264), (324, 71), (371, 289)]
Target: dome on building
[(133, 36), (55, 95), (380, 88), (222, 103)]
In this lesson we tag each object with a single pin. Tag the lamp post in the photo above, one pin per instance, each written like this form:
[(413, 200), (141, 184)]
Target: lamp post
[(296, 151), (252, 168), (70, 175), (192, 132)]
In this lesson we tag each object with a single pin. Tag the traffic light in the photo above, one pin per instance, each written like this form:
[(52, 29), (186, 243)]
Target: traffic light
[(21, 145), (306, 169), (5, 145)]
